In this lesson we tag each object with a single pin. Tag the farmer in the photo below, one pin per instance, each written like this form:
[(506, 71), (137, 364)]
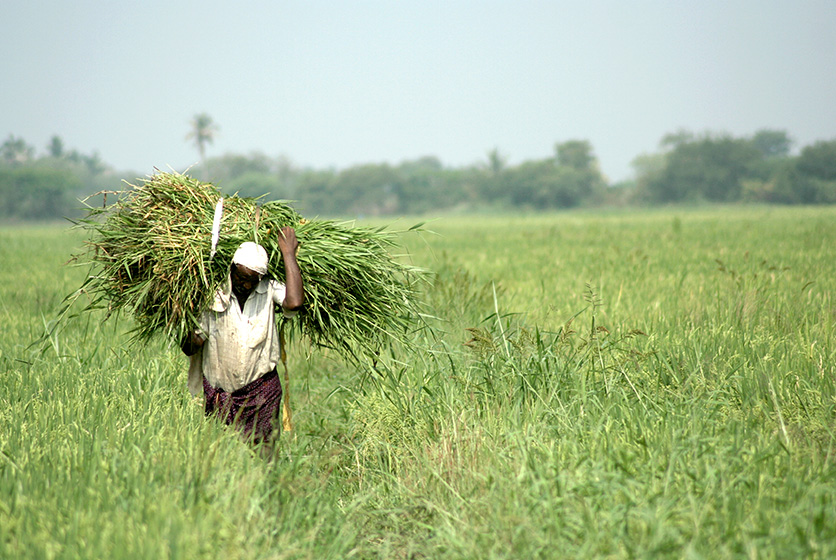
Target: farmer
[(234, 353)]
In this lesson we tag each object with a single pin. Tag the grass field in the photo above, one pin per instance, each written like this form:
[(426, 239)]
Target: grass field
[(657, 384)]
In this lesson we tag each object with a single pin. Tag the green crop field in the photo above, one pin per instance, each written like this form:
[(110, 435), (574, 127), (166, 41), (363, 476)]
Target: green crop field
[(656, 384)]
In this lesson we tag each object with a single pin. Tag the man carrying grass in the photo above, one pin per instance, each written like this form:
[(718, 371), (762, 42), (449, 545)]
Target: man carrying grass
[(234, 353)]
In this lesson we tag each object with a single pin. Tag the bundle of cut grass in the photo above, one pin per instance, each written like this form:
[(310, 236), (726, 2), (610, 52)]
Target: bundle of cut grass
[(150, 257)]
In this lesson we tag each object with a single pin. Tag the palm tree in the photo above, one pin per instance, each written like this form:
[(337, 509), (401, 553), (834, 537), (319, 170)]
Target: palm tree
[(496, 161), (203, 132)]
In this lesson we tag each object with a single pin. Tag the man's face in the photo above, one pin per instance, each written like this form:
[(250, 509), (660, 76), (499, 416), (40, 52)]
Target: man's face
[(244, 280)]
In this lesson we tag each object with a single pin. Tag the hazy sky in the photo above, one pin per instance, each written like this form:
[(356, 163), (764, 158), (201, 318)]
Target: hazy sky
[(339, 83)]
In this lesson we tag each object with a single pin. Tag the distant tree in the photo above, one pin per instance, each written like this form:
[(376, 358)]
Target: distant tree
[(203, 131), (528, 185), (315, 193), (674, 139), (709, 168), (368, 189), (772, 143), (496, 161), (94, 163), (580, 178), (420, 166), (576, 154), (37, 193), (230, 167), (648, 170), (16, 151), (255, 184), (774, 162), (55, 148), (422, 186), (287, 173), (490, 182), (543, 185), (812, 179), (818, 161)]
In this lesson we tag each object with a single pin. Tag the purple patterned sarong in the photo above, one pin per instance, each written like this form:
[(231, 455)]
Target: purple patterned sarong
[(255, 408)]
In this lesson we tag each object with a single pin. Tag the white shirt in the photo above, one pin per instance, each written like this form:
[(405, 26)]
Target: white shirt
[(240, 345)]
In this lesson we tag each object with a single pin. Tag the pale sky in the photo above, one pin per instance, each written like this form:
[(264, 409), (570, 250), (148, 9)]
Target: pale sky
[(333, 84)]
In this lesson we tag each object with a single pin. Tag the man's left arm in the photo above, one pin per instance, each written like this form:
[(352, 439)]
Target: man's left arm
[(294, 291)]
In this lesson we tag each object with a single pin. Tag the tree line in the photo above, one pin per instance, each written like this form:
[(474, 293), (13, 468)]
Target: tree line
[(51, 185), (688, 168), (722, 168)]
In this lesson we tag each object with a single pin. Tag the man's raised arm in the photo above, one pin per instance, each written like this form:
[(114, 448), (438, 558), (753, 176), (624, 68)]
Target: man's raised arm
[(295, 294)]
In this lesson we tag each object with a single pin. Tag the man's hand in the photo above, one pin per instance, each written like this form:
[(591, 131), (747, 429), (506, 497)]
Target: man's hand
[(288, 244), (192, 344)]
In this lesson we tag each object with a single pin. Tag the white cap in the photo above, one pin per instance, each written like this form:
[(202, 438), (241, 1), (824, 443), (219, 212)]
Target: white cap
[(251, 255)]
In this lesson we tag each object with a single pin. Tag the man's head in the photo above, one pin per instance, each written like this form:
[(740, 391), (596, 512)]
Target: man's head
[(249, 264)]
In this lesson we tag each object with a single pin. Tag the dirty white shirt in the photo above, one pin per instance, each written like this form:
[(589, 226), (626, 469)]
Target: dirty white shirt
[(240, 345)]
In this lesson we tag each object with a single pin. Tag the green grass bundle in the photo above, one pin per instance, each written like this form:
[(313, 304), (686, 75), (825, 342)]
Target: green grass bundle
[(150, 257)]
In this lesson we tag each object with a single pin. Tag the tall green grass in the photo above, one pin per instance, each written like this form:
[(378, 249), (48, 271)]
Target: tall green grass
[(657, 384)]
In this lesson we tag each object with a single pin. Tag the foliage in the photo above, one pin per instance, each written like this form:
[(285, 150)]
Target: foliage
[(15, 151), (772, 143), (150, 255), (55, 148), (818, 161), (721, 168), (255, 185), (229, 167), (705, 169), (34, 192), (48, 187), (576, 154), (689, 169)]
